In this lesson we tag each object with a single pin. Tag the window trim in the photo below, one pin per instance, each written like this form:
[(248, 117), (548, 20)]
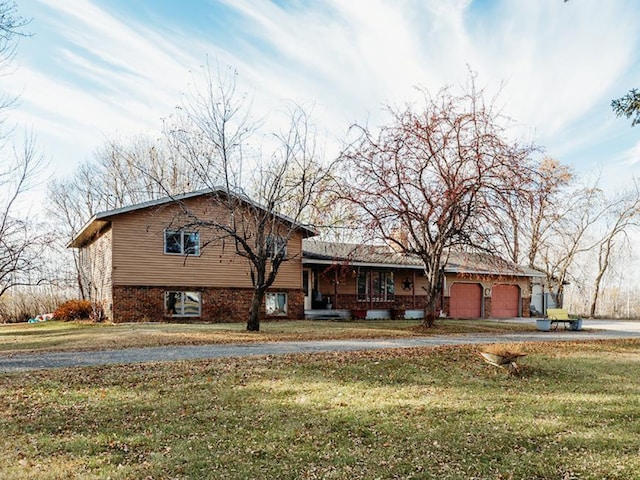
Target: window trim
[(181, 302), (277, 313), (183, 234)]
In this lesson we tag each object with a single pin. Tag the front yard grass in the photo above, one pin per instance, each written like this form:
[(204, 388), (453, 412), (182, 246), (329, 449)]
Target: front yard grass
[(572, 413), (56, 336)]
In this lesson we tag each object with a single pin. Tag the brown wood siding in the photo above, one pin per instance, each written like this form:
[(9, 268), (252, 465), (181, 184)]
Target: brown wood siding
[(96, 270), (139, 258)]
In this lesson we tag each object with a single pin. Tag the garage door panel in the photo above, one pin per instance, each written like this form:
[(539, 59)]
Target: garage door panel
[(465, 300), (505, 301)]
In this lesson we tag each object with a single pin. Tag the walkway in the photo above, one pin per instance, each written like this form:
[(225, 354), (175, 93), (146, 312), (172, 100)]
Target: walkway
[(38, 361)]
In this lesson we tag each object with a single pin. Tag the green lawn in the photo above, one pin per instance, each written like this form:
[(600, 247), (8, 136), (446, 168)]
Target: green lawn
[(572, 413), (91, 336)]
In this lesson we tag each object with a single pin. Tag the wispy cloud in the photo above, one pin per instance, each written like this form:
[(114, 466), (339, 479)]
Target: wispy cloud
[(557, 64), (550, 59)]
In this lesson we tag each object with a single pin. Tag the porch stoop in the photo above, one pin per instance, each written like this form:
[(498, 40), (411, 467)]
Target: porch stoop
[(326, 314)]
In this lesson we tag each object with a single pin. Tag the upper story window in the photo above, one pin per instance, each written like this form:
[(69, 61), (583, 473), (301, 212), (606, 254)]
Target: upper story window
[(276, 246), (181, 242)]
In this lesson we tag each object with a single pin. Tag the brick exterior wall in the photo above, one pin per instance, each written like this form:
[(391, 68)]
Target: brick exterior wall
[(526, 301), (146, 304), (351, 302), (488, 307)]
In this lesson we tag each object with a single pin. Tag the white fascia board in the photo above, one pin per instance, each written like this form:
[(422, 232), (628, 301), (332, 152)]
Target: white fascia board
[(307, 261)]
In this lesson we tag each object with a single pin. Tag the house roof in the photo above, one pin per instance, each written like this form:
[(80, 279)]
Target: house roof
[(383, 256), (102, 219)]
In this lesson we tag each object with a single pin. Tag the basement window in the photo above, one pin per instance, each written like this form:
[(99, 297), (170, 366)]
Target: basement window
[(276, 304), (182, 304), (181, 242)]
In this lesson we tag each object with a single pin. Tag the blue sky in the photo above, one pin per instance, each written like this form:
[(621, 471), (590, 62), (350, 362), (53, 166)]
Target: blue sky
[(97, 70)]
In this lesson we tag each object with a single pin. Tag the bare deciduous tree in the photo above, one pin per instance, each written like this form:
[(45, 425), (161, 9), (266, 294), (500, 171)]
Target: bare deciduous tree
[(11, 28), (428, 181), (571, 235), (543, 205), (524, 217), (113, 180), (211, 132), (622, 213), (20, 242)]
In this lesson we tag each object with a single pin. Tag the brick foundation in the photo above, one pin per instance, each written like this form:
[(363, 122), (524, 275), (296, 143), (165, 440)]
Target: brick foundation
[(526, 301), (488, 307), (146, 304), (351, 302)]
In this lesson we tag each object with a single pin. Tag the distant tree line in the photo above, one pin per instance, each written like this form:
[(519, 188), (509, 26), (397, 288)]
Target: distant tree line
[(22, 238)]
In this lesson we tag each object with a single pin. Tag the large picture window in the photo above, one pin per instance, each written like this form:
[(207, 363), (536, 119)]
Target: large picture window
[(182, 304), (376, 286), (276, 303), (181, 242)]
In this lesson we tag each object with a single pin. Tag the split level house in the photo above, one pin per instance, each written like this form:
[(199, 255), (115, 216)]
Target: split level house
[(141, 264)]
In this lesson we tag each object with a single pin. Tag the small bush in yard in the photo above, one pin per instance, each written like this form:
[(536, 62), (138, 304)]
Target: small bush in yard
[(74, 310)]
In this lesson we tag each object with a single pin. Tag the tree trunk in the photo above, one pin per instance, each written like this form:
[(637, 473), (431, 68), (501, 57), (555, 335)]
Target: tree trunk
[(433, 275), (603, 264), (429, 320), (430, 310), (430, 315), (253, 324)]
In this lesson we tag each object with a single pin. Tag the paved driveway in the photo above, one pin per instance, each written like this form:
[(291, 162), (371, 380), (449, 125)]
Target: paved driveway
[(630, 326), (595, 330)]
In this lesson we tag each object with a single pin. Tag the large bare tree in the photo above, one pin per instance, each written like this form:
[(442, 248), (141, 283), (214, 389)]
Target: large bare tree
[(524, 218), (11, 29), (267, 189), (21, 259), (572, 234), (428, 181), (622, 213)]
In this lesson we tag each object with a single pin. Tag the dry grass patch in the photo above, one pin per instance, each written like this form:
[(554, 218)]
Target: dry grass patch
[(418, 413), (506, 349)]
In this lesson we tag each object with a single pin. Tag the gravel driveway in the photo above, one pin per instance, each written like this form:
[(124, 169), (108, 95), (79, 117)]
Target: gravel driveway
[(36, 361)]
